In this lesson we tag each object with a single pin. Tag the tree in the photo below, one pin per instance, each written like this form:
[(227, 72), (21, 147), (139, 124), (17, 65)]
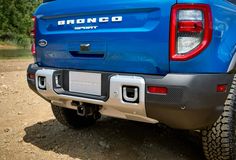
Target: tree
[(15, 19)]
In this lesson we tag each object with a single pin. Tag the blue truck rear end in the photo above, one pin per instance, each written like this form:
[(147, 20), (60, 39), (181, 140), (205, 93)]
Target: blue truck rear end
[(150, 61)]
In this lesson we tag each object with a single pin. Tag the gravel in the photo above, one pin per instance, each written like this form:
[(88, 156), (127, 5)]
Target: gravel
[(28, 130)]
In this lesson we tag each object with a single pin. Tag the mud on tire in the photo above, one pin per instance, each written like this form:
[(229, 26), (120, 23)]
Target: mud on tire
[(219, 140), (69, 118)]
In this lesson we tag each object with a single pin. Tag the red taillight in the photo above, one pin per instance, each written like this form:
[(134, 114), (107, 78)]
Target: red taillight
[(33, 49), (221, 88), (190, 30), (33, 34), (191, 27), (157, 90)]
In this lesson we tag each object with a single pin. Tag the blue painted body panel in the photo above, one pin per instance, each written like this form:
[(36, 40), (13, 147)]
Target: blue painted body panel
[(138, 44)]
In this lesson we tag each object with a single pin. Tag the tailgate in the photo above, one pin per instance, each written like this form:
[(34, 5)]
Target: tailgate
[(118, 36)]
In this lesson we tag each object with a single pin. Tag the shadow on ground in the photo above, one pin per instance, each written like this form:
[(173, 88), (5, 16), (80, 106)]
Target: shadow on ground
[(115, 139)]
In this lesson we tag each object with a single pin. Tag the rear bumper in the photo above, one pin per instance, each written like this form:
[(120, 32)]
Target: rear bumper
[(191, 103)]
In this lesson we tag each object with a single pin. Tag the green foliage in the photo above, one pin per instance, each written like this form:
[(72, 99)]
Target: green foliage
[(22, 40), (15, 20)]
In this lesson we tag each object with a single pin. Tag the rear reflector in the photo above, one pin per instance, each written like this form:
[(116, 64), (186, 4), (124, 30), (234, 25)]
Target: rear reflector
[(31, 76), (221, 88), (157, 90)]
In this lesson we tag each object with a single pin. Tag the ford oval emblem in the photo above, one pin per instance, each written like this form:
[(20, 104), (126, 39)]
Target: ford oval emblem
[(43, 43)]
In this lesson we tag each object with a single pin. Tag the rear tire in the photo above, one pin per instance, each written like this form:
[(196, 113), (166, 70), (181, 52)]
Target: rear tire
[(70, 118), (219, 141)]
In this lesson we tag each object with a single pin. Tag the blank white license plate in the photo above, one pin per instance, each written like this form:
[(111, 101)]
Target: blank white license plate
[(87, 83)]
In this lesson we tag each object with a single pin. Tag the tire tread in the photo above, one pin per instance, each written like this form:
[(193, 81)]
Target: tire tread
[(219, 139), (69, 118)]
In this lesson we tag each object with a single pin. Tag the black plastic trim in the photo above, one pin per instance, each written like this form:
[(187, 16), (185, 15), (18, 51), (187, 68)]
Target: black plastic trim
[(44, 1), (232, 66), (192, 101), (232, 1), (65, 86)]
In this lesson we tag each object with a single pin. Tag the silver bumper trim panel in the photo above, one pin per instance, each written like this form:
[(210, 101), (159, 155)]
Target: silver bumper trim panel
[(114, 106)]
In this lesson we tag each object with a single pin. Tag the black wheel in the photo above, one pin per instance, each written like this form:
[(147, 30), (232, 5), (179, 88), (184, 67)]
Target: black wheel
[(219, 141), (70, 118)]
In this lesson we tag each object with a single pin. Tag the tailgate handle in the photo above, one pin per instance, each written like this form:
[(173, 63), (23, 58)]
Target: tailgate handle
[(87, 54), (85, 47)]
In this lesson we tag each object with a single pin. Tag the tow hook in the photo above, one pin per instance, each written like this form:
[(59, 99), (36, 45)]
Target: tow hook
[(42, 82), (87, 110), (130, 94)]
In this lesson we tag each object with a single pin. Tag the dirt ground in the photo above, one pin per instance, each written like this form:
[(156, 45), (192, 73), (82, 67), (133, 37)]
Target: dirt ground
[(8, 46), (28, 130)]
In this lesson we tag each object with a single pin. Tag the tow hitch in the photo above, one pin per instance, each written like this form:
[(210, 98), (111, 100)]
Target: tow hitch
[(87, 110)]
